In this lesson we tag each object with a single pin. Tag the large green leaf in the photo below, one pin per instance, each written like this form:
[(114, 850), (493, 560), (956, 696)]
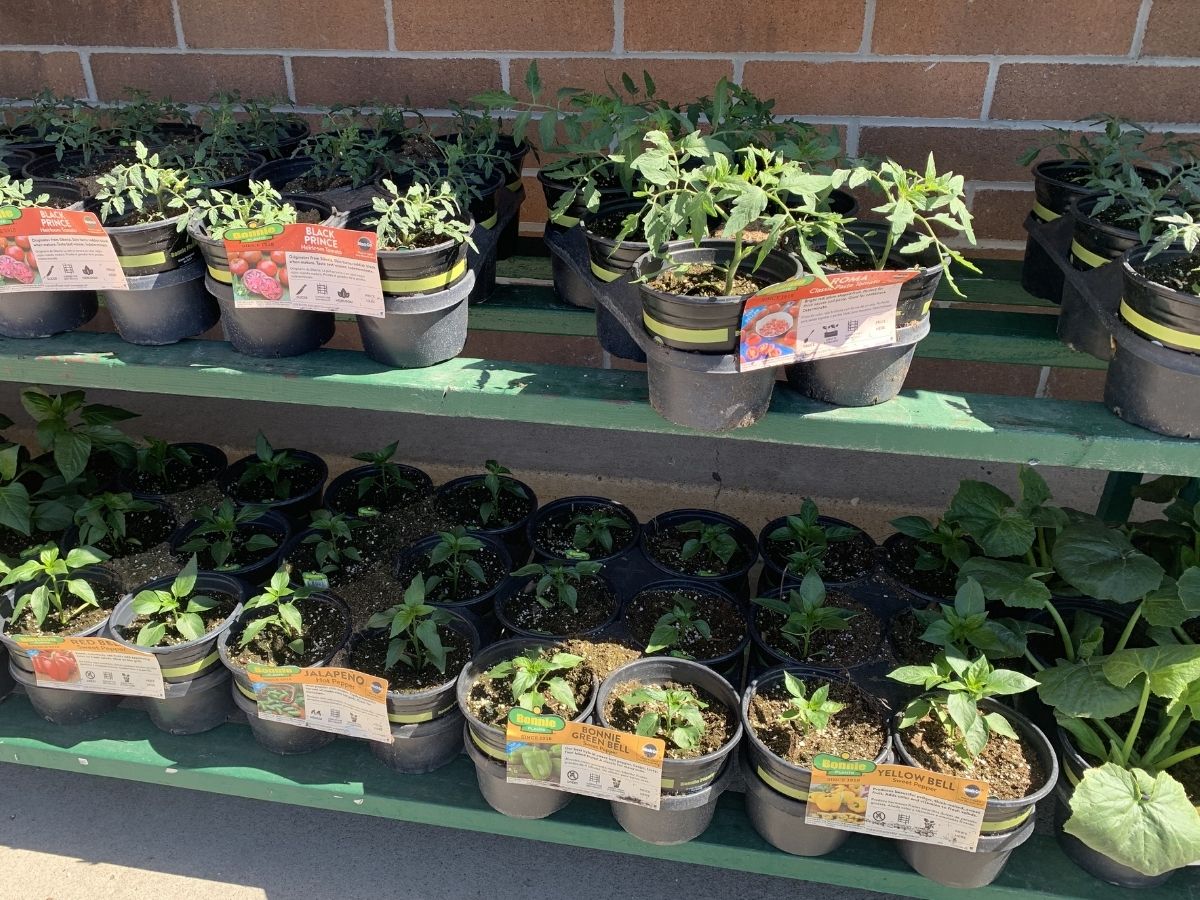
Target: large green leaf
[(15, 510), (1170, 669), (1102, 563), (1081, 689), (71, 453), (1011, 583), (1141, 821), (987, 514)]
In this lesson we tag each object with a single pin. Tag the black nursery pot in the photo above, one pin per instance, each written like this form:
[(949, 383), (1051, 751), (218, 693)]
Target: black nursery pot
[(1053, 191), (424, 270), (270, 333), (728, 665), (296, 131), (565, 508), (165, 308), (513, 535), (866, 378), (1096, 243), (50, 166), (477, 608), (1156, 312), (238, 183), (212, 462), (704, 324), (773, 574), (257, 573), (573, 289), (342, 494), (916, 294), (554, 189), (152, 247), (39, 314), (736, 581), (279, 173), (295, 507), (14, 160), (1153, 387), (512, 629), (609, 259), (212, 247)]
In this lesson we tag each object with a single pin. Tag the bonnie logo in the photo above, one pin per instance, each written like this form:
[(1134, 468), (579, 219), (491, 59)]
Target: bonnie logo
[(364, 244), (376, 687), (649, 751), (972, 791)]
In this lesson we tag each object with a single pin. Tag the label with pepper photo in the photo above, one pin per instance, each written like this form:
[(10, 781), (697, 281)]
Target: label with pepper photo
[(93, 665), (313, 267), (342, 701), (43, 249), (547, 751), (900, 802)]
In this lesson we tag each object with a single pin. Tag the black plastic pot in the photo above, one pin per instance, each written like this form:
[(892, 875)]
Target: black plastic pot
[(1153, 387), (152, 247), (704, 324), (728, 665), (736, 582), (773, 575), (680, 817), (13, 160), (50, 166), (213, 457), (514, 535), (424, 270), (506, 245), (704, 400), (295, 508), (517, 801), (922, 599), (916, 294), (479, 606), (238, 183), (212, 247), (1156, 312), (1054, 192), (194, 706), (609, 259), (341, 496), (257, 573), (416, 331), (6, 680), (426, 725), (574, 290), (511, 628), (270, 333), (280, 172), (866, 378), (1096, 243), (766, 653), (19, 657), (297, 130), (776, 789), (565, 507), (164, 308), (553, 189), (679, 776)]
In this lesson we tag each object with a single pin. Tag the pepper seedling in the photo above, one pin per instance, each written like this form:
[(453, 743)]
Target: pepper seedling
[(965, 626), (72, 430), (332, 540), (594, 530), (281, 623), (808, 539), (414, 637), (806, 614), (455, 554), (713, 546), (216, 532), (939, 546), (558, 582), (176, 609), (103, 519), (388, 478), (16, 511), (57, 579), (272, 466), (155, 458), (497, 481), (675, 714), (807, 712), (533, 676), (676, 626)]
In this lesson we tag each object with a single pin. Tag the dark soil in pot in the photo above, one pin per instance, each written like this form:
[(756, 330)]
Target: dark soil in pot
[(493, 560), (460, 502), (144, 529), (720, 725), (296, 175), (369, 538), (205, 462), (253, 565), (558, 530), (326, 632), (73, 167), (666, 535), (596, 607), (843, 561), (359, 492), (717, 609), (904, 637), (303, 493), (827, 649), (900, 554)]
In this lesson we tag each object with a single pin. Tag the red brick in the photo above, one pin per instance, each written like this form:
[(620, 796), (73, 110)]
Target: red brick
[(945, 89), (187, 77), (1056, 27), (1052, 91), (980, 378), (676, 80), (24, 73), (980, 154), (999, 214), (1075, 384), (311, 24), (773, 26), (129, 23), (537, 25), (326, 80), (1173, 29)]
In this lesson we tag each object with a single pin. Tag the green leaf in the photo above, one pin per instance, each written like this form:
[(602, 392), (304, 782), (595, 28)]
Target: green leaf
[(1170, 669), (151, 634), (146, 603), (1011, 583), (561, 691), (185, 580), (190, 625), (1101, 562), (661, 638), (15, 509), (290, 617), (71, 453), (1005, 682), (1084, 735), (1141, 821), (1081, 689), (81, 589), (962, 711), (987, 514), (647, 725)]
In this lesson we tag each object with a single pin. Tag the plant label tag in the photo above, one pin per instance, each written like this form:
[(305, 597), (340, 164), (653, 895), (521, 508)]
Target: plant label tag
[(56, 250), (899, 802), (93, 665), (342, 701), (547, 751), (311, 267), (316, 580), (806, 319)]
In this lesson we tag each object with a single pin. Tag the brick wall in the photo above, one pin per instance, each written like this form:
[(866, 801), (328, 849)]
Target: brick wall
[(971, 79)]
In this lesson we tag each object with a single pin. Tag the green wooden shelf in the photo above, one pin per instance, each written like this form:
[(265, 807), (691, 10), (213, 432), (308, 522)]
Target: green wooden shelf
[(345, 777), (927, 423)]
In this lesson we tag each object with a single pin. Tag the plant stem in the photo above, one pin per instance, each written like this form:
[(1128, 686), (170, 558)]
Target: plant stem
[(1033, 661), (734, 264), (1063, 631), (1182, 635), (1164, 734), (1043, 550), (1128, 632), (1127, 748), (1177, 758)]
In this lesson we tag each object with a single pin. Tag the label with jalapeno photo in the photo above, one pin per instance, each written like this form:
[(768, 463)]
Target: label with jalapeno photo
[(546, 751), (341, 701)]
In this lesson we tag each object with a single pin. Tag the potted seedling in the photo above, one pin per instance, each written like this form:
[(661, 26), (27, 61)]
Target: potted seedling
[(792, 715), (156, 122), (958, 729), (559, 600), (127, 530), (244, 542), (924, 556), (583, 528), (792, 546), (83, 148), (285, 625), (811, 628), (285, 481), (687, 620), (258, 332), (493, 503), (703, 545), (423, 235), (32, 125), (164, 471), (522, 673), (694, 710), (178, 619), (53, 594), (380, 489), (420, 649), (334, 550), (463, 571), (255, 124), (34, 314), (343, 156)]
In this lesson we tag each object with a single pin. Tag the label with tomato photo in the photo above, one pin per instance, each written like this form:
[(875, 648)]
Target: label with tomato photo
[(311, 267), (93, 665), (342, 701), (899, 802), (808, 319), (43, 249)]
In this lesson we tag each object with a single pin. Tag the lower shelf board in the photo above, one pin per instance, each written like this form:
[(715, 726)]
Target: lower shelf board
[(345, 777)]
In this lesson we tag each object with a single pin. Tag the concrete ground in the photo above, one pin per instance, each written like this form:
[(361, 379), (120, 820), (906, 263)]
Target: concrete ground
[(65, 836)]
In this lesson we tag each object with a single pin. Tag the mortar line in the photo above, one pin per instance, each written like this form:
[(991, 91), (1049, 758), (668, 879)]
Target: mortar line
[(506, 75), (289, 79), (739, 68), (864, 47), (177, 18), (389, 24), (89, 81), (1139, 29), (618, 26), (989, 90)]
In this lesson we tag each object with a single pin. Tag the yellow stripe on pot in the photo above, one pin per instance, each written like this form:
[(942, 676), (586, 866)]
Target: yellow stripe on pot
[(604, 274), (245, 692), (490, 223), (1156, 330), (515, 186), (489, 750), (1046, 215), (1007, 824), (193, 668), (695, 336), (777, 785), (427, 716), (145, 259), (221, 275), (428, 283), (1084, 255)]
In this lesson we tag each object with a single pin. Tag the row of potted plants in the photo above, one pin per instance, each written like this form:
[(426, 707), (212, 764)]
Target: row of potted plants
[(1113, 238), (1100, 621)]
